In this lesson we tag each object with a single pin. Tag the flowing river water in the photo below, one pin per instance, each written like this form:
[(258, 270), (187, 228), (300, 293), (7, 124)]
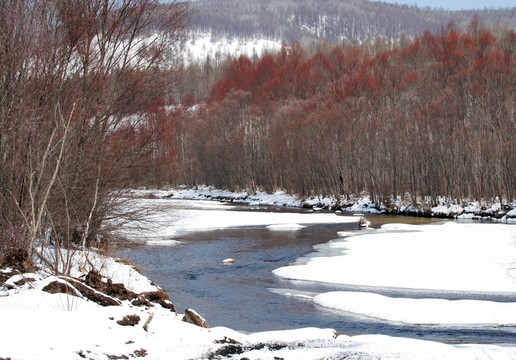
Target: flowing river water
[(247, 296)]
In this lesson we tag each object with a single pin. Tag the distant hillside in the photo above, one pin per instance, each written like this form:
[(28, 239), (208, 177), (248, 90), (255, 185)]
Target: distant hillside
[(335, 20)]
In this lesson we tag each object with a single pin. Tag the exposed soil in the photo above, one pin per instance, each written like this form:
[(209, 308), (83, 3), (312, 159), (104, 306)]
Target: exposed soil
[(234, 349), (94, 279), (142, 301), (67, 287), (58, 287), (118, 291), (23, 281), (116, 357), (160, 297), (4, 276), (93, 295), (106, 293), (139, 353), (129, 320), (18, 259), (227, 340), (136, 354), (193, 318)]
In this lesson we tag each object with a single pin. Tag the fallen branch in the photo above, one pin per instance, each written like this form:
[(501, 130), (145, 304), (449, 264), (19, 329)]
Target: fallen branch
[(148, 321)]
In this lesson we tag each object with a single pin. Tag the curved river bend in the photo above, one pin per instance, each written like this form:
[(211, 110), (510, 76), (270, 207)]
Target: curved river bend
[(244, 296)]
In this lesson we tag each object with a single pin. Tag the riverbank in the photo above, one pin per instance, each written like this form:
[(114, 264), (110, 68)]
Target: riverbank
[(49, 317), (488, 210)]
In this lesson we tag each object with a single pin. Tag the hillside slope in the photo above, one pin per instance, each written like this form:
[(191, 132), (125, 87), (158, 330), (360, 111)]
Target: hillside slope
[(335, 20)]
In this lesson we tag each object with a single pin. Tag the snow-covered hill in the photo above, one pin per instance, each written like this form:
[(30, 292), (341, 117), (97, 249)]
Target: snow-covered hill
[(314, 20)]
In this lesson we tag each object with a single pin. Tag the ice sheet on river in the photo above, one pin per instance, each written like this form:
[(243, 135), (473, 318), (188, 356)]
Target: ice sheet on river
[(453, 257), (421, 311), (457, 257), (170, 218)]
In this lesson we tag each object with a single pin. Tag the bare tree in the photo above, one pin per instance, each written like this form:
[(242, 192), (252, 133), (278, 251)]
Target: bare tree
[(70, 72)]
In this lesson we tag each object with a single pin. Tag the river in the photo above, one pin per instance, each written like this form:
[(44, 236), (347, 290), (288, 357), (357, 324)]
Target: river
[(246, 296)]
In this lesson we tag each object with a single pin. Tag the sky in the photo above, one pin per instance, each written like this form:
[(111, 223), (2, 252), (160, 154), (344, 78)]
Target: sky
[(457, 4)]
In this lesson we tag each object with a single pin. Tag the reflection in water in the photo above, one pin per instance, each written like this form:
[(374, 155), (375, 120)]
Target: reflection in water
[(239, 295)]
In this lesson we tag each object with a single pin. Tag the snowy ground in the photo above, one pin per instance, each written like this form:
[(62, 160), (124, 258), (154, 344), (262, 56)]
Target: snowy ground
[(467, 257)]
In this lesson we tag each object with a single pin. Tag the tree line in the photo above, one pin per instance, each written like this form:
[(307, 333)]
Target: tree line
[(432, 117)]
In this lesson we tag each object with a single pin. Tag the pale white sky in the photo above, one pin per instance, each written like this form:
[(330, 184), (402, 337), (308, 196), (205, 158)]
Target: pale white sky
[(457, 4)]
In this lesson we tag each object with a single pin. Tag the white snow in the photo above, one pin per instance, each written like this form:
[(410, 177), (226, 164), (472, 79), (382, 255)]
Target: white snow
[(279, 198), (458, 257), (285, 227), (162, 242), (305, 334), (455, 257), (56, 331), (202, 44), (420, 311)]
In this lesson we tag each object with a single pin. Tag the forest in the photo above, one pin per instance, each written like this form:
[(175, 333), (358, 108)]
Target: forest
[(93, 101), (431, 117)]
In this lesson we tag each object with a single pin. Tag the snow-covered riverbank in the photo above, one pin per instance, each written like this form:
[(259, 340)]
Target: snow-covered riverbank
[(37, 324), (467, 257), (447, 208)]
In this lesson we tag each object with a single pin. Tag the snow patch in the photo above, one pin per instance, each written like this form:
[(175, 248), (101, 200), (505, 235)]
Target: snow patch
[(285, 227), (202, 44)]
